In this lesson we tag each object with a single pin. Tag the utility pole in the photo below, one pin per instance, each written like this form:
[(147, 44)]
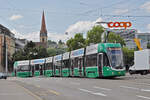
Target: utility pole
[(5, 55), (6, 63)]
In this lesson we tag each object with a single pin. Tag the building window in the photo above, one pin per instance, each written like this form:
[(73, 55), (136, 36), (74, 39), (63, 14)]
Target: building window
[(42, 39)]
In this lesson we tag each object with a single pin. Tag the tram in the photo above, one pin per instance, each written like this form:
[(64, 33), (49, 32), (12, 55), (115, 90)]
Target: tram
[(99, 60), (22, 68)]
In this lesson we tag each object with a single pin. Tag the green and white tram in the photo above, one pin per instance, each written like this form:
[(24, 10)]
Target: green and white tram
[(22, 68), (99, 60)]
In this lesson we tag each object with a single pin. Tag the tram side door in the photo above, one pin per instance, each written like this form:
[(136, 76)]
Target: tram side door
[(80, 64), (72, 65), (33, 69), (100, 63), (41, 69)]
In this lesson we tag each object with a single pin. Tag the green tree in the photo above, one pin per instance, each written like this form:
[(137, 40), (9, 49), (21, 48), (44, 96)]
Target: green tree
[(148, 45), (128, 57), (51, 51), (41, 52), (114, 38), (77, 42), (94, 35), (30, 51)]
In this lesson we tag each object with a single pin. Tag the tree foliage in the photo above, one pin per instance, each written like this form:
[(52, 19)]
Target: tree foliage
[(30, 51), (148, 45), (77, 42), (128, 57), (114, 38), (94, 35)]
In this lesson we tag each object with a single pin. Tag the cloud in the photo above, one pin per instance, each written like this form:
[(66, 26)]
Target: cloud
[(146, 6), (121, 11), (15, 17), (34, 36), (82, 26), (79, 27)]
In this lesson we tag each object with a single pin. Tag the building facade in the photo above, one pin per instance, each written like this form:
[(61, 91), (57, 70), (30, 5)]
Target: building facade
[(20, 43), (129, 34), (6, 40)]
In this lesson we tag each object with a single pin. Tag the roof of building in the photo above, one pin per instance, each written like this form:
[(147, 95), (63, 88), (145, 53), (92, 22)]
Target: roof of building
[(6, 31)]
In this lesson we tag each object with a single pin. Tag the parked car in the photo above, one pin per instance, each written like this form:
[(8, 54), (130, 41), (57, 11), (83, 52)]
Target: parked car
[(3, 75)]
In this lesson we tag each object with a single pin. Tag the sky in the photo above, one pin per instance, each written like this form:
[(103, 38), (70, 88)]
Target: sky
[(23, 17)]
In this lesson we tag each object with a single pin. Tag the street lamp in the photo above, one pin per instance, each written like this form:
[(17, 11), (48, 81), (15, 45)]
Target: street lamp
[(105, 33)]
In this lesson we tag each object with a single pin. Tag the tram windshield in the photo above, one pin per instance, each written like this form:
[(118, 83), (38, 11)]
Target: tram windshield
[(116, 57), (24, 68)]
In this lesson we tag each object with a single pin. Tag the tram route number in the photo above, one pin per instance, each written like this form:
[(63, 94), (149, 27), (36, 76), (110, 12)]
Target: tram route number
[(119, 24)]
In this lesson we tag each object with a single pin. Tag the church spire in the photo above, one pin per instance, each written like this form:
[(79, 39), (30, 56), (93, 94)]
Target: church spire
[(43, 26), (43, 31)]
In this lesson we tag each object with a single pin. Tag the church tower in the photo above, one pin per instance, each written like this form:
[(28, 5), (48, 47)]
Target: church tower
[(43, 31)]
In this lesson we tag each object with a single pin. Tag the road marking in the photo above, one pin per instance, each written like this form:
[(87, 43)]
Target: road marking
[(145, 90), (143, 97), (102, 88), (54, 92), (130, 87), (85, 90), (29, 92), (74, 83), (97, 93)]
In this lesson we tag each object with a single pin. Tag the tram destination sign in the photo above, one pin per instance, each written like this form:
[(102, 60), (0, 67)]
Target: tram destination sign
[(92, 49), (66, 56), (57, 58), (77, 53), (23, 62), (37, 61), (49, 59)]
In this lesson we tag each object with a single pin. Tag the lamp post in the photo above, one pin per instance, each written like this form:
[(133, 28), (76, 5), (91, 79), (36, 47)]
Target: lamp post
[(105, 33), (5, 54)]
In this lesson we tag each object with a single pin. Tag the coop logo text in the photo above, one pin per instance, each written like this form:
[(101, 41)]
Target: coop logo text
[(119, 24)]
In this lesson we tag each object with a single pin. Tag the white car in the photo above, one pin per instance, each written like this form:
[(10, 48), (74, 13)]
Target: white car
[(3, 75)]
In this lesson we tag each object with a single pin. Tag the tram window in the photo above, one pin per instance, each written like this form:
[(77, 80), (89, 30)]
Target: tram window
[(75, 62), (57, 64), (49, 66), (91, 60), (36, 67), (24, 68), (65, 64), (105, 60)]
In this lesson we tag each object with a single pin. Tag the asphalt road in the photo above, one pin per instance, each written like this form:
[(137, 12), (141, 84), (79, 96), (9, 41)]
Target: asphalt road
[(135, 87)]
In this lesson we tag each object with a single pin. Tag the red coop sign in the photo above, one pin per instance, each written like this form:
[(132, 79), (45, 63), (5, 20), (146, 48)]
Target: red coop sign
[(119, 24)]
